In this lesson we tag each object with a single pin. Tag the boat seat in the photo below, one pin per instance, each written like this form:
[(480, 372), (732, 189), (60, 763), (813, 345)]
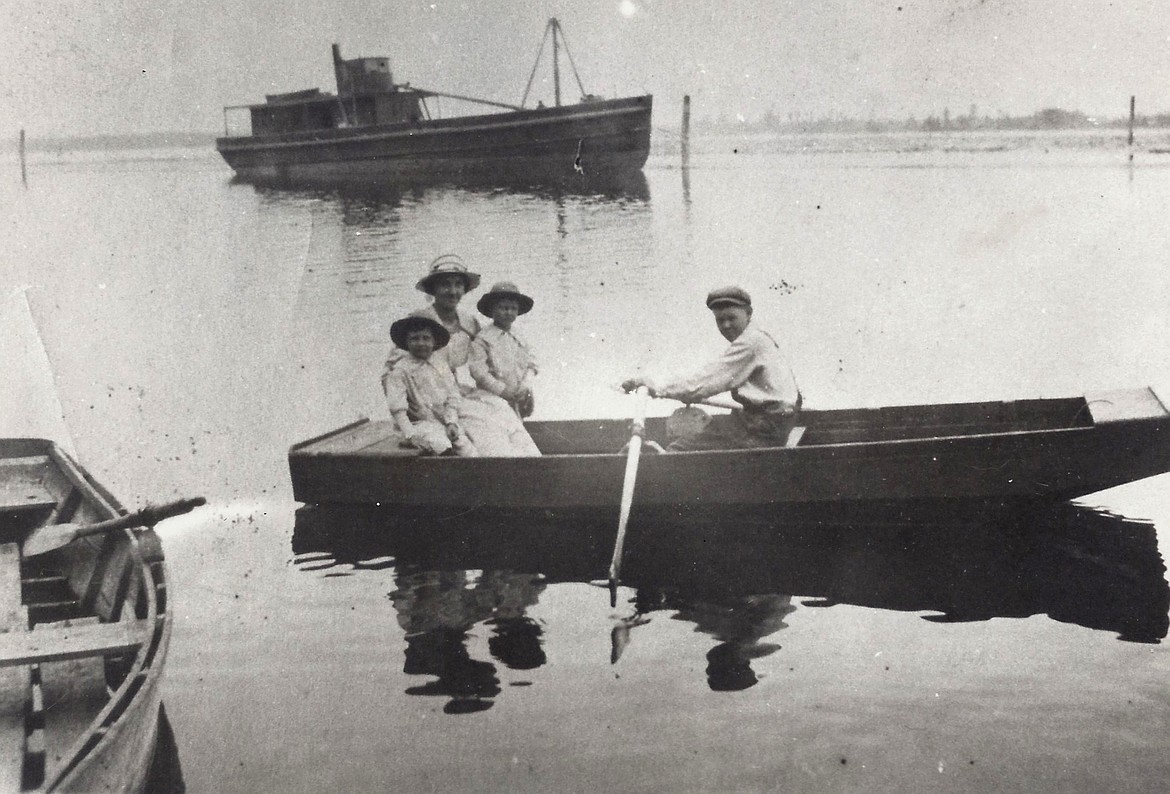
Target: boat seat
[(21, 489), (72, 642)]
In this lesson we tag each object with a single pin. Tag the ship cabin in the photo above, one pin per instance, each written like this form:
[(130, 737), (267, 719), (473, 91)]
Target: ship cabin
[(366, 95)]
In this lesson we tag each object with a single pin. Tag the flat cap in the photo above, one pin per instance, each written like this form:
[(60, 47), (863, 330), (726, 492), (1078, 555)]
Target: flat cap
[(728, 296)]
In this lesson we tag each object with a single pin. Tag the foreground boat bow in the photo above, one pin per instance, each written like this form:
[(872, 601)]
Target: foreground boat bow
[(85, 635)]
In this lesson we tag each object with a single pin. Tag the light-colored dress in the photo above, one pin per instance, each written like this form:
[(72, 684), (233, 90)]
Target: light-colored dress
[(489, 421), (427, 392), (503, 362)]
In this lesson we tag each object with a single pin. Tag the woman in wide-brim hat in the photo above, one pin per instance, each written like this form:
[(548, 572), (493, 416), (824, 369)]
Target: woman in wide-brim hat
[(489, 421), (447, 265), (447, 281)]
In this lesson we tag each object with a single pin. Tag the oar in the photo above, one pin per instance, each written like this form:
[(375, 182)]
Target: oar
[(54, 536), (635, 453)]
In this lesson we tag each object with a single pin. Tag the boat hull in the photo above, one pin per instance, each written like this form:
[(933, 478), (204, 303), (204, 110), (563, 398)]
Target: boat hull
[(101, 732), (593, 140), (1031, 450)]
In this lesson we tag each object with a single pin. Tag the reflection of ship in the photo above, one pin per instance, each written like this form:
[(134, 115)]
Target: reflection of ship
[(1072, 563), (357, 196), (374, 128)]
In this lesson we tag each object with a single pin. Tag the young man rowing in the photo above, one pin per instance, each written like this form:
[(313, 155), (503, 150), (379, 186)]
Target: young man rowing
[(753, 368)]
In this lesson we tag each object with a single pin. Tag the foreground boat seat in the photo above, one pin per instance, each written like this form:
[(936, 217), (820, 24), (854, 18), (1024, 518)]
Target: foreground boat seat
[(62, 642), (21, 491)]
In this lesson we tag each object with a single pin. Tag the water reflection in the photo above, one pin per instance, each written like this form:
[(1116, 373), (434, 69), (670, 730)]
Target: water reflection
[(738, 624), (438, 610), (618, 187), (736, 580), (166, 773)]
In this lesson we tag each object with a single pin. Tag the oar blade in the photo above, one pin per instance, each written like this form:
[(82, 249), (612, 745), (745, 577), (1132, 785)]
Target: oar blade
[(53, 536)]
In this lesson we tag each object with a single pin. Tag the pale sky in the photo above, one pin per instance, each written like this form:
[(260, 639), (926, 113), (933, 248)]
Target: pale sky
[(115, 66)]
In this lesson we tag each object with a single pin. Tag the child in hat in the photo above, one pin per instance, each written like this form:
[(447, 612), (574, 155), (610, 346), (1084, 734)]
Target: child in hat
[(502, 361), (422, 394)]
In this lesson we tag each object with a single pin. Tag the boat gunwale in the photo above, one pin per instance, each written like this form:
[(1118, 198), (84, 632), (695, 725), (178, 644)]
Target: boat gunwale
[(143, 672), (300, 449), (428, 127)]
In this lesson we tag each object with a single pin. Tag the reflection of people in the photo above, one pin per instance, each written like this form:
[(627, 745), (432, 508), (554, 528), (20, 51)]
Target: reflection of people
[(422, 396), (738, 624), (752, 367), (516, 638), (437, 609)]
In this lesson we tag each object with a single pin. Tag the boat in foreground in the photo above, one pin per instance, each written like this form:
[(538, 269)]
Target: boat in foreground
[(1037, 449), (375, 129), (86, 629)]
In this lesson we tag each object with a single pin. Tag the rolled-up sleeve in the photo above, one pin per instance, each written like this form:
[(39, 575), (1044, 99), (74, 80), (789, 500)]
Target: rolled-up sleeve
[(394, 382), (730, 370)]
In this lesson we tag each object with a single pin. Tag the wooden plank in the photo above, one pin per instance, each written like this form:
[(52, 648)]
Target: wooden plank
[(14, 681), (74, 692), (11, 608), (352, 440), (22, 484), (74, 642), (1120, 406), (389, 447)]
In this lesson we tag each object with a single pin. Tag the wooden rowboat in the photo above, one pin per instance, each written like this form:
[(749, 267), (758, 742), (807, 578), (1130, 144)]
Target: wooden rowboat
[(85, 632), (1038, 449)]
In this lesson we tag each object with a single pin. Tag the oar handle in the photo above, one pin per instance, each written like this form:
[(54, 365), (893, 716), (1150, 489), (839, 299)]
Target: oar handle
[(146, 517)]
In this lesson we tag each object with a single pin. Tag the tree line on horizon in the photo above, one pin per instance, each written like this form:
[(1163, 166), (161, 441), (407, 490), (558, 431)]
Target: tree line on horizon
[(1046, 119)]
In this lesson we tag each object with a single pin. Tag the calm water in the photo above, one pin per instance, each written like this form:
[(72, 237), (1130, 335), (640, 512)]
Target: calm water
[(197, 328)]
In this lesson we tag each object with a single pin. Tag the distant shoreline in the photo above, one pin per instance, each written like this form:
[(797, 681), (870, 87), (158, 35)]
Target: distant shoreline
[(700, 128), (156, 140)]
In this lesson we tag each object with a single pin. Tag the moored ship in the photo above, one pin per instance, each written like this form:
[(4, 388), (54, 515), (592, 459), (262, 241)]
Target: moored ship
[(374, 129)]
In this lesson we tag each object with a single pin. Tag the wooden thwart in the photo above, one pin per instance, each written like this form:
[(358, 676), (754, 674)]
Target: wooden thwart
[(14, 682), (73, 642)]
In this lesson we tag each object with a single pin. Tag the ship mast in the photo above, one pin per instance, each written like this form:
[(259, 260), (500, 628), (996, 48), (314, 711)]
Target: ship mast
[(553, 28)]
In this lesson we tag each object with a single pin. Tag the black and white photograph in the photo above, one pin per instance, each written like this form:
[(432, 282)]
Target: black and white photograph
[(606, 396)]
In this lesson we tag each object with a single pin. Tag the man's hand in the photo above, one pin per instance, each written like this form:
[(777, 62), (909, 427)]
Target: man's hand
[(629, 384)]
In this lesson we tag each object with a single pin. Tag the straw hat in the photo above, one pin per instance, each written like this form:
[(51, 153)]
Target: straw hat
[(447, 264), (402, 328), (503, 289)]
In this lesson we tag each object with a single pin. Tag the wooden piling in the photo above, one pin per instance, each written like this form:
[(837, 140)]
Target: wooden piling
[(686, 129), (1132, 103)]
